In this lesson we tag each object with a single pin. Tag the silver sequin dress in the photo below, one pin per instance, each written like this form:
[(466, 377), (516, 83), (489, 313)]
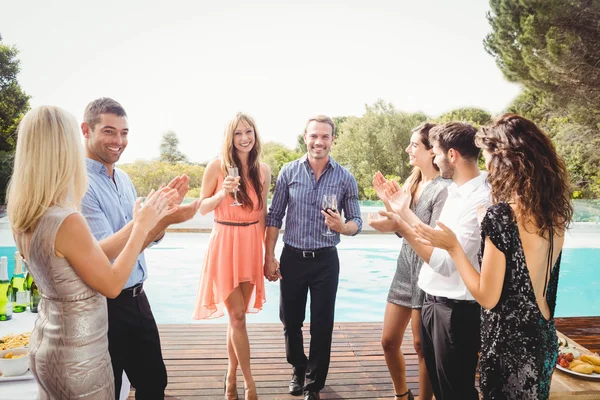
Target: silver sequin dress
[(69, 343), (404, 290)]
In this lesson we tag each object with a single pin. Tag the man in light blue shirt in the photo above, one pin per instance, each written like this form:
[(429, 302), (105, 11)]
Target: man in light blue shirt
[(134, 343), (309, 260)]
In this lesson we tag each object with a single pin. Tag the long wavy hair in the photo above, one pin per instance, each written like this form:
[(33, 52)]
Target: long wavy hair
[(49, 167), (230, 158), (416, 176), (525, 169)]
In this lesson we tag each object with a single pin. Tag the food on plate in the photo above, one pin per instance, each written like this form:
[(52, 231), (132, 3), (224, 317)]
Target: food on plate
[(572, 350), (13, 341), (591, 359), (583, 368), (562, 342), (11, 355)]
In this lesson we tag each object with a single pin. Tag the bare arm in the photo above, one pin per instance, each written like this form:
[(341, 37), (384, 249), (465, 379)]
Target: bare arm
[(209, 199), (88, 259)]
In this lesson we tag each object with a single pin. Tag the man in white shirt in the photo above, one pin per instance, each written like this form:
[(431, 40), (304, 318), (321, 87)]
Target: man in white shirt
[(450, 315)]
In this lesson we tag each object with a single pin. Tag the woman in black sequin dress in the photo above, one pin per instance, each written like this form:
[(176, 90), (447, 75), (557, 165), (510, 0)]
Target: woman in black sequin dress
[(522, 236)]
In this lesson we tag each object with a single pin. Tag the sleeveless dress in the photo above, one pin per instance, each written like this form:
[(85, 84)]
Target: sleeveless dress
[(518, 345), (404, 290), (69, 344), (235, 254)]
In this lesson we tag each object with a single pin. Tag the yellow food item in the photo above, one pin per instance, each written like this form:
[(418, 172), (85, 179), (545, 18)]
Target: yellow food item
[(594, 360), (14, 341), (584, 368), (12, 356), (575, 363)]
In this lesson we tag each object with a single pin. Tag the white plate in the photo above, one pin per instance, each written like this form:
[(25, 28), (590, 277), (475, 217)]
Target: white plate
[(593, 375), (27, 375)]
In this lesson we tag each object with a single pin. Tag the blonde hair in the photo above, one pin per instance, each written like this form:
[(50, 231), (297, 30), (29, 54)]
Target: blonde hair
[(229, 158), (49, 167)]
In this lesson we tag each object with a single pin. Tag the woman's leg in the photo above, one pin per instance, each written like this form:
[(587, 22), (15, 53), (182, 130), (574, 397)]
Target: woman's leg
[(236, 308), (232, 365), (395, 321), (425, 390)]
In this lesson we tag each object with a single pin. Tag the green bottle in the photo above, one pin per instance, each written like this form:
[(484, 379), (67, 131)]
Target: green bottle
[(5, 291), (34, 293), (19, 286)]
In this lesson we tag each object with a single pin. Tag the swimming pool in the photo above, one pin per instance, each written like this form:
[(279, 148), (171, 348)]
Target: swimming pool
[(367, 265)]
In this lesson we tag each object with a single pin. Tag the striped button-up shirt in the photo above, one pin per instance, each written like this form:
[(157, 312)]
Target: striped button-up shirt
[(108, 206), (301, 194)]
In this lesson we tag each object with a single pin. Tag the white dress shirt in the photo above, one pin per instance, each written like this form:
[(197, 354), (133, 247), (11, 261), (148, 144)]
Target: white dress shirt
[(460, 213)]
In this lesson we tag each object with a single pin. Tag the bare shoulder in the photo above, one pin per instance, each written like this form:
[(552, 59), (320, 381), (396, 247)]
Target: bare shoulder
[(266, 170), (213, 169), (73, 229)]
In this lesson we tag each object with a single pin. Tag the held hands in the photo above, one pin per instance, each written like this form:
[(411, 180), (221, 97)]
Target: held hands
[(271, 269), (156, 207), (333, 220), (442, 238)]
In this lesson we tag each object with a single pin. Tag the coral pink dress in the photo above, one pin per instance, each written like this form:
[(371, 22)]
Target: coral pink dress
[(235, 254)]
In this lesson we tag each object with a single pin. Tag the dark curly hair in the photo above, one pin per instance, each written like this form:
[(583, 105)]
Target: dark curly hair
[(525, 169)]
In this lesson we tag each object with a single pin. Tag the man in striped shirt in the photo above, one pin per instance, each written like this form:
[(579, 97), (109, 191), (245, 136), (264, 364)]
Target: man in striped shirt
[(309, 260)]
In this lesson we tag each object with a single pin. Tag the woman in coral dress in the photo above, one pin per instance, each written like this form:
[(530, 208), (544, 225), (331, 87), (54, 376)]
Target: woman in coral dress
[(232, 274)]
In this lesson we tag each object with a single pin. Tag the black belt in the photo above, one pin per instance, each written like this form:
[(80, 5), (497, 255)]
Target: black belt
[(229, 223), (310, 253), (133, 291), (441, 299)]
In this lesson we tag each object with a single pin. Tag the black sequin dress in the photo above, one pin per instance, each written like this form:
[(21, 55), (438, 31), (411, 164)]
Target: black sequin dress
[(518, 345)]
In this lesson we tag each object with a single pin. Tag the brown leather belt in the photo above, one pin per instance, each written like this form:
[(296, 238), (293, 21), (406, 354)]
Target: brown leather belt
[(229, 223)]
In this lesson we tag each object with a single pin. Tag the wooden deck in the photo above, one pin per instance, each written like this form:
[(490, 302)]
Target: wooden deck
[(196, 359)]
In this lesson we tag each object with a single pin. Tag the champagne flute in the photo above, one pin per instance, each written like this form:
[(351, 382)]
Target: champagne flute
[(234, 173), (329, 203)]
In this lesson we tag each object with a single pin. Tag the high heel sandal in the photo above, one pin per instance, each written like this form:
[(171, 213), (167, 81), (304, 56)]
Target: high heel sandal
[(247, 389), (409, 393), (227, 397)]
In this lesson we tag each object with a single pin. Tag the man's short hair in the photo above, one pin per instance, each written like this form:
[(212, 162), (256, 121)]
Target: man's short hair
[(103, 105), (322, 118), (459, 136)]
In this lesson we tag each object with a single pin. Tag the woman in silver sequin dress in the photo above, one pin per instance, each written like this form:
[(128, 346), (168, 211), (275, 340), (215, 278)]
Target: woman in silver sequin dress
[(69, 344), (427, 190)]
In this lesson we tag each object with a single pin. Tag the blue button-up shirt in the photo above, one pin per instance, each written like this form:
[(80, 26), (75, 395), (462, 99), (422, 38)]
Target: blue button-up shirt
[(301, 194), (108, 206)]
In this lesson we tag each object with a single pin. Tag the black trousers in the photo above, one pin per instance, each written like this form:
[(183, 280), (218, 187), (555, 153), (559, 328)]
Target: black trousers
[(450, 337), (320, 275), (134, 346)]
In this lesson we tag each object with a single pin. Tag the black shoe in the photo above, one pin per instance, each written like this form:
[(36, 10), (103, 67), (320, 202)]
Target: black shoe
[(296, 385), (311, 395), (409, 395)]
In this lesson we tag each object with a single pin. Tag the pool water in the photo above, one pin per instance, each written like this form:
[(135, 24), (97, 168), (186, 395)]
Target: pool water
[(367, 265)]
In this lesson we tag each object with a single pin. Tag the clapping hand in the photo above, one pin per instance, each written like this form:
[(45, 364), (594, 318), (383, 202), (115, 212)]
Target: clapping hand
[(398, 198), (391, 222), (155, 207), (442, 238), (379, 183), (180, 184)]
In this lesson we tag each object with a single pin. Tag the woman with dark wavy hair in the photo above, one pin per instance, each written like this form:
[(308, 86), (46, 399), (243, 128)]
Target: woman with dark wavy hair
[(522, 237)]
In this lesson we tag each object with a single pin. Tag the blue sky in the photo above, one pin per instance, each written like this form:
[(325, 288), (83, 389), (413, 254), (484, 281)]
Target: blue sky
[(189, 66)]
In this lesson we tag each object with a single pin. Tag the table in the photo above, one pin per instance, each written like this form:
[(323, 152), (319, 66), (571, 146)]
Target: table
[(565, 386), (27, 389)]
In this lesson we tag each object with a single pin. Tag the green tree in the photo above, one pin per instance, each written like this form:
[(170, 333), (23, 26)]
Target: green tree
[(148, 175), (276, 155), (552, 47), (14, 103), (375, 142), (474, 116), (169, 149)]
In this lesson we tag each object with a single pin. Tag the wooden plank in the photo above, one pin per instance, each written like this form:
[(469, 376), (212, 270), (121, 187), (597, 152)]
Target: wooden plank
[(196, 359)]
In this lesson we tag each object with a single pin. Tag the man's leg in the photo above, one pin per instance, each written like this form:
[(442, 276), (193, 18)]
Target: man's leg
[(323, 289), (292, 305), (119, 315), (456, 343), (145, 368), (427, 344)]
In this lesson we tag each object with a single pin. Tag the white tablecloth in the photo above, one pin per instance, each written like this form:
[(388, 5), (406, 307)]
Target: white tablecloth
[(27, 389)]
